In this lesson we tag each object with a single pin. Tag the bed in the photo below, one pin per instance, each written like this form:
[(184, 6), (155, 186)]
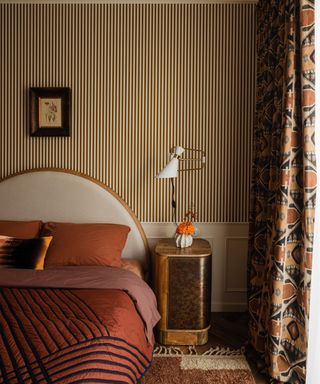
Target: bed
[(76, 318)]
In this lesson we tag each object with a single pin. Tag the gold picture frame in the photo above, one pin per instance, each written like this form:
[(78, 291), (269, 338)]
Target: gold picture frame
[(50, 111)]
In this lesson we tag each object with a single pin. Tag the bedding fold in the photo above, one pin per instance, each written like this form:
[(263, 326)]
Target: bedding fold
[(95, 277)]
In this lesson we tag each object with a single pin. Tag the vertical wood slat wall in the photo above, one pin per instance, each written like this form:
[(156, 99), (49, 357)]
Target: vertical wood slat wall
[(144, 77)]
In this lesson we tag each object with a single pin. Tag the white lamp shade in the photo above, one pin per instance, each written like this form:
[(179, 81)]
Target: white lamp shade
[(171, 169)]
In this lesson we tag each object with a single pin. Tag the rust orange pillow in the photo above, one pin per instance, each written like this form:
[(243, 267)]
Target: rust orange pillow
[(23, 253), (85, 244), (133, 266), (21, 229)]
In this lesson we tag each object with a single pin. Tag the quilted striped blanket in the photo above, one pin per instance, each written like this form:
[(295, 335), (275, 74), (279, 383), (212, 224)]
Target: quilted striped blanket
[(52, 335)]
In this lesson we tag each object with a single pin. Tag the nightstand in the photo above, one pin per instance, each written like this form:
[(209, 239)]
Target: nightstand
[(182, 282)]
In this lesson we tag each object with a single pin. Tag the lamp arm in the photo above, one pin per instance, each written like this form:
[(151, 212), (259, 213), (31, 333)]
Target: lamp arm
[(199, 161)]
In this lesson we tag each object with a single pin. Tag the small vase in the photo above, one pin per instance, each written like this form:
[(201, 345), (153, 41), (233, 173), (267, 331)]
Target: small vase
[(183, 241)]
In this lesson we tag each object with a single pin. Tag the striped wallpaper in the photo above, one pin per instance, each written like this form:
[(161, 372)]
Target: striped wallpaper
[(144, 77)]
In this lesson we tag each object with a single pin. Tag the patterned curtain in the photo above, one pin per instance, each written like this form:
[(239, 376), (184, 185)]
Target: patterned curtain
[(283, 188)]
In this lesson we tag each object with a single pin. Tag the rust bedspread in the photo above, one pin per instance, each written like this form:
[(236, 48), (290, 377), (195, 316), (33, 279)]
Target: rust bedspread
[(77, 333)]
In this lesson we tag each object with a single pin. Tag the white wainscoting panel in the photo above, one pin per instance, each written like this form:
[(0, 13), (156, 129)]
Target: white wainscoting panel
[(236, 260), (229, 242)]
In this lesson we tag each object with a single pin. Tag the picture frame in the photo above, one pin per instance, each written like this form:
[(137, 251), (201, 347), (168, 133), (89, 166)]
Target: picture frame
[(50, 113)]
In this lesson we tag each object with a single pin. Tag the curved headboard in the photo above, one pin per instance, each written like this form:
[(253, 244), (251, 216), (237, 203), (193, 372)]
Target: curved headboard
[(67, 196)]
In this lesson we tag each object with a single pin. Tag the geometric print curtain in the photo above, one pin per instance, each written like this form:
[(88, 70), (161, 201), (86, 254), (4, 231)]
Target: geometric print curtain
[(283, 188)]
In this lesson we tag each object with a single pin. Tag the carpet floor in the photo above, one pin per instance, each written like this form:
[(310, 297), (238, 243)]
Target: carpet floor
[(215, 366)]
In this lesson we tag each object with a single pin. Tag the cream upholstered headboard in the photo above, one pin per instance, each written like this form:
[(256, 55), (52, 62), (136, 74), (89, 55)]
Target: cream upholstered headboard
[(66, 196)]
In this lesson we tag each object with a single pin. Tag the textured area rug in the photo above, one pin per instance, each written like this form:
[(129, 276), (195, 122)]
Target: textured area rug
[(215, 366)]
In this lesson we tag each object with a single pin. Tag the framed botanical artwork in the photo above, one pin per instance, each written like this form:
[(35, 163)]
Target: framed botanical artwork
[(50, 111)]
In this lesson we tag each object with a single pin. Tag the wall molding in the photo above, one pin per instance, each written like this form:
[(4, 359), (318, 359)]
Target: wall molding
[(160, 230), (228, 261), (129, 2)]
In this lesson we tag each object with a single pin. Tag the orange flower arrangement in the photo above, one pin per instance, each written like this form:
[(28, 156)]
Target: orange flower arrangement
[(185, 228)]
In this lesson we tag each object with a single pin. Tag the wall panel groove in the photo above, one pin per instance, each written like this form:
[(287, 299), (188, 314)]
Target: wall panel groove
[(144, 77)]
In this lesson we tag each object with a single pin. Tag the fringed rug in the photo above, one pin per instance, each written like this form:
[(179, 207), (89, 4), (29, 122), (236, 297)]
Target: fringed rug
[(215, 366)]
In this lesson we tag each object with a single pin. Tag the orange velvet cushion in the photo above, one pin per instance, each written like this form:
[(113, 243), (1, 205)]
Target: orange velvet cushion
[(21, 229), (85, 244)]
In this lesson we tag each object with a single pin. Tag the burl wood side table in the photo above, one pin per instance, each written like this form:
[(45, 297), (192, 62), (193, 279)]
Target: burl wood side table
[(182, 282)]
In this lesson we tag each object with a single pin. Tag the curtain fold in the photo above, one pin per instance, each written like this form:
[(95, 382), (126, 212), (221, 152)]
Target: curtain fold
[(283, 188)]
